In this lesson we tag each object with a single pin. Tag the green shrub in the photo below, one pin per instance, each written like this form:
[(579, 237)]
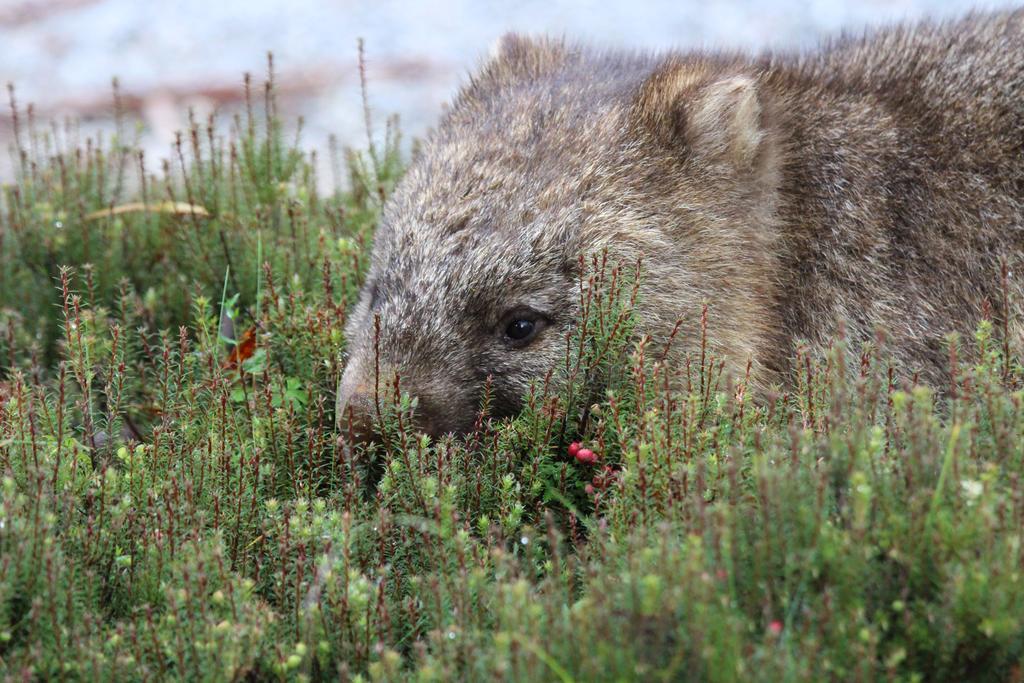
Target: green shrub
[(169, 509)]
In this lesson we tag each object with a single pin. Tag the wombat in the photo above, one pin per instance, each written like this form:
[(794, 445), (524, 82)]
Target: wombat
[(875, 183)]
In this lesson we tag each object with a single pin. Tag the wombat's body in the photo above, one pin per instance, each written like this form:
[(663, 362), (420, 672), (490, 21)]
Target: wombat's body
[(879, 182)]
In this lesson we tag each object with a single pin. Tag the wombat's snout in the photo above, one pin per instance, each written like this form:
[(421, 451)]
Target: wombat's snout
[(356, 409), (358, 413), (358, 393)]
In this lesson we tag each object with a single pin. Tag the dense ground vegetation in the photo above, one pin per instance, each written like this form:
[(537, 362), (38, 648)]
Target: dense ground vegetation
[(176, 502)]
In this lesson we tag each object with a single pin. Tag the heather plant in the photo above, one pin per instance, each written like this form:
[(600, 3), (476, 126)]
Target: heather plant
[(176, 502)]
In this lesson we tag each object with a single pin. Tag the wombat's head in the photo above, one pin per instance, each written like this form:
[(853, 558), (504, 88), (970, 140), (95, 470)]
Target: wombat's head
[(549, 152)]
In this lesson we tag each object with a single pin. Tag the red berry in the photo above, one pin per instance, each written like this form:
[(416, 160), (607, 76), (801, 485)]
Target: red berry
[(775, 627), (574, 448), (586, 455), (589, 488)]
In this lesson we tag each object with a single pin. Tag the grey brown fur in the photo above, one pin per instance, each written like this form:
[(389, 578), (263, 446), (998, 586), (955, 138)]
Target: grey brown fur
[(878, 181)]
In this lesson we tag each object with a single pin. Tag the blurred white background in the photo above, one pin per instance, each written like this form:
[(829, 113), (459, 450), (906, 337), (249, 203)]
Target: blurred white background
[(61, 54)]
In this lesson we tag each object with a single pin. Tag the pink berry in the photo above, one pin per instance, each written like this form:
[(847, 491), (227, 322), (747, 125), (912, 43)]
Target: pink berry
[(585, 455), (574, 448), (589, 488), (775, 627)]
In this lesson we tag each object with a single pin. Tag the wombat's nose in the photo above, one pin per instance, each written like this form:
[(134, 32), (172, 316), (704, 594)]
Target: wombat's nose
[(355, 409), (356, 415)]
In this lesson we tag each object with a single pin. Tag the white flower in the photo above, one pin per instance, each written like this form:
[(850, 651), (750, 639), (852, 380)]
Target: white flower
[(971, 488)]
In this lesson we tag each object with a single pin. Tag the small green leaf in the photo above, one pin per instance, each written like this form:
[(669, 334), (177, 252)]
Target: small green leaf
[(257, 363)]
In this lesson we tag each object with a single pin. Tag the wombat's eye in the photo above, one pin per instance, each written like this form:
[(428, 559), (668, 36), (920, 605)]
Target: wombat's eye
[(521, 327), (519, 330)]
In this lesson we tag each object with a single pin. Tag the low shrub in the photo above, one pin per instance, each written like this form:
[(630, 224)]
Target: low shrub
[(177, 503)]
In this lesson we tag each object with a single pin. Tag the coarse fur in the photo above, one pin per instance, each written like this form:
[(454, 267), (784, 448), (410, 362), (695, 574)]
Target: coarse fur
[(875, 183)]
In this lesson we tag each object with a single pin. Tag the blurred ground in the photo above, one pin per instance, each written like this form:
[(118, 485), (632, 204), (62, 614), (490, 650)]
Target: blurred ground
[(61, 54)]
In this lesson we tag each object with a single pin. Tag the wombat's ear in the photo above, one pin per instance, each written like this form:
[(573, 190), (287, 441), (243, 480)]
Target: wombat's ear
[(711, 118)]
